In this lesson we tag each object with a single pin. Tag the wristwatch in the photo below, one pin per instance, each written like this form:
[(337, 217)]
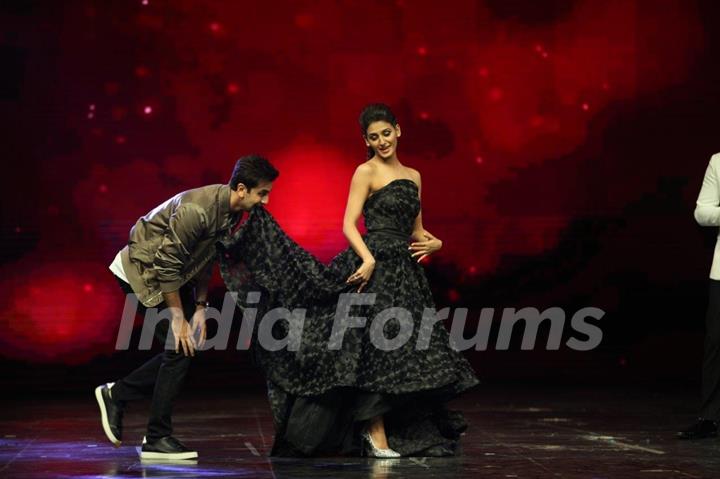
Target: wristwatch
[(205, 304)]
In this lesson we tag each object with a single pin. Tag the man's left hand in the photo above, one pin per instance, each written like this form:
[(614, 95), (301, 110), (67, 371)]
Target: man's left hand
[(198, 323)]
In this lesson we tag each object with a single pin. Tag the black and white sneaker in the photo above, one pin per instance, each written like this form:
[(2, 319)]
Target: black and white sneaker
[(166, 448), (111, 414)]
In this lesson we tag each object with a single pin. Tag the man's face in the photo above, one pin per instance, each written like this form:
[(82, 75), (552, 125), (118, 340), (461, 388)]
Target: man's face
[(253, 196)]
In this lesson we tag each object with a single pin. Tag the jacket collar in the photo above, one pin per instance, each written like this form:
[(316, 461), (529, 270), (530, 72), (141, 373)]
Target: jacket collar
[(226, 218)]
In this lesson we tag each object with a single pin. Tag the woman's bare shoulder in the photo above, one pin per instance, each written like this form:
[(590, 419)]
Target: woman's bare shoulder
[(414, 174)]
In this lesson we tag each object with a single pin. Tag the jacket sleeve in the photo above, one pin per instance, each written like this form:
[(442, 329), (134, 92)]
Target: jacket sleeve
[(707, 211), (187, 225)]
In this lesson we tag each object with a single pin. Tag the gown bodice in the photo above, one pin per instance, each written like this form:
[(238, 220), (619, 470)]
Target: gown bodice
[(393, 208)]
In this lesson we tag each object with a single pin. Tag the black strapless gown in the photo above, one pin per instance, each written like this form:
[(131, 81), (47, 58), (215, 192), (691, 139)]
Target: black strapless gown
[(321, 398)]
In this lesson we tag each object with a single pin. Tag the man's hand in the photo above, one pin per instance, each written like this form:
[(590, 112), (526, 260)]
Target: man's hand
[(199, 324), (182, 332)]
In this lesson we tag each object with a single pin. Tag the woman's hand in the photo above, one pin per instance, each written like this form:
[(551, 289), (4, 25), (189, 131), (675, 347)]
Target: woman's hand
[(425, 248), (362, 275)]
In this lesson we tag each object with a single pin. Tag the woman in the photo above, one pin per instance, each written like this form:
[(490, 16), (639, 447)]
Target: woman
[(358, 398)]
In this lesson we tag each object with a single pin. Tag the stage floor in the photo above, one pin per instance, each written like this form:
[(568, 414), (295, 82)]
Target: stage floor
[(514, 433)]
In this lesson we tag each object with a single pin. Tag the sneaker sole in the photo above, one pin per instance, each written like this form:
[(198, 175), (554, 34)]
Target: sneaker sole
[(165, 462), (168, 455), (104, 418)]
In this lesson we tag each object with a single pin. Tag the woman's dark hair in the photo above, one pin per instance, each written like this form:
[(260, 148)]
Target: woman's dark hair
[(372, 113), (250, 170)]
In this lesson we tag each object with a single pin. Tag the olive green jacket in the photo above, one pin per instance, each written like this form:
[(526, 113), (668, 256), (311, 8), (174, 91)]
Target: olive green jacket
[(175, 242)]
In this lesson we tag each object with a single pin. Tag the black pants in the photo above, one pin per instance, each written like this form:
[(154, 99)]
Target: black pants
[(711, 362), (162, 376)]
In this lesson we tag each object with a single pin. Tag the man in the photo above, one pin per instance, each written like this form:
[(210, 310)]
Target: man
[(168, 263), (707, 213)]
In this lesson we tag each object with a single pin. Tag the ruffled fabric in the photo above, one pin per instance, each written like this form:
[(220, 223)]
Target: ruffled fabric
[(321, 398)]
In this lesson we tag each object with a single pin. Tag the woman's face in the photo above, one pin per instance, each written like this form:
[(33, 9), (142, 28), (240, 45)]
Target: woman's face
[(382, 137)]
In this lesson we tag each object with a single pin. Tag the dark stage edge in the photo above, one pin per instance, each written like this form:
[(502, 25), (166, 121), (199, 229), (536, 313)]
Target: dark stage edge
[(514, 433)]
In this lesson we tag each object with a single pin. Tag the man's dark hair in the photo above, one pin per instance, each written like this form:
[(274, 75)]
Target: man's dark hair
[(250, 170)]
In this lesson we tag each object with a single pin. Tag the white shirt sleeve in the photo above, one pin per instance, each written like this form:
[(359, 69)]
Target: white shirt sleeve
[(117, 268), (707, 211)]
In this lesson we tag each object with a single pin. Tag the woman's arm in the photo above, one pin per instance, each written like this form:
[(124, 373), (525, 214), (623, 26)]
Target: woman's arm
[(359, 191), (424, 242)]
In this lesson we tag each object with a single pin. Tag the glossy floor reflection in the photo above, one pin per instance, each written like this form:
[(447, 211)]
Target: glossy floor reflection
[(514, 433)]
